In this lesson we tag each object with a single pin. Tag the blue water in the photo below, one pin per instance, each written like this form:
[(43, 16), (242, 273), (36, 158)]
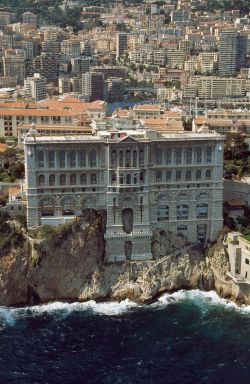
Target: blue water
[(186, 337)]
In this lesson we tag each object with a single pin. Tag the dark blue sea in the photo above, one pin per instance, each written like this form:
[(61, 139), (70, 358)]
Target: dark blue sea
[(187, 337)]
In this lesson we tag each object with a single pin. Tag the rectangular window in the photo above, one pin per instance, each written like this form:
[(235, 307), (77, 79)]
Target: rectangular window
[(158, 176), (198, 155), (158, 158), (141, 157), (51, 159), (178, 175), (178, 155), (209, 154), (62, 159), (168, 175), (189, 155), (247, 261), (168, 156)]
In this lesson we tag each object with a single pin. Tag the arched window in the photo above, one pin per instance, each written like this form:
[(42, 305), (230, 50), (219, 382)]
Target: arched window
[(162, 212), (82, 157), (202, 210), (128, 179), (51, 159), (83, 178), (52, 180), (182, 212), (188, 175), (135, 178), (208, 174), (178, 175), (62, 179), (93, 178), (41, 180), (73, 179), (198, 174), (40, 156), (92, 158), (72, 158)]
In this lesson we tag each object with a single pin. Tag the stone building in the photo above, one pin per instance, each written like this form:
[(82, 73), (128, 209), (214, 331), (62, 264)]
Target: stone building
[(143, 179)]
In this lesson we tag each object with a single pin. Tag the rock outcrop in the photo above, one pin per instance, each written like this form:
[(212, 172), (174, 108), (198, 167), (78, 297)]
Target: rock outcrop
[(69, 266)]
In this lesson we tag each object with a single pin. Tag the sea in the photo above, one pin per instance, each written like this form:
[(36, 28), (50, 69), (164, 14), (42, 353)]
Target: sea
[(185, 337)]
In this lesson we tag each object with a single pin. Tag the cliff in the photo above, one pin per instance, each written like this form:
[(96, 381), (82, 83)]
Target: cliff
[(69, 266)]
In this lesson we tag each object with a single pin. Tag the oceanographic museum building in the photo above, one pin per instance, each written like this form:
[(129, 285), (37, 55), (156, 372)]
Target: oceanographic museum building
[(144, 180)]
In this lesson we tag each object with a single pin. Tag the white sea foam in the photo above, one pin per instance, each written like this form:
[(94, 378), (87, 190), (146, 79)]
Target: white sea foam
[(61, 310)]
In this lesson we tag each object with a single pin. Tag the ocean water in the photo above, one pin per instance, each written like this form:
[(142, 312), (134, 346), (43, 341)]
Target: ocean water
[(186, 337)]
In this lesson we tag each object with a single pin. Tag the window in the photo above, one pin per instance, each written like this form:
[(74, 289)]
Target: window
[(113, 178), (83, 178), (168, 175), (198, 174), (40, 156), (208, 154), (208, 174), (198, 154), (168, 156), (62, 159), (247, 261), (158, 157), (93, 178), (121, 178), (72, 158), (182, 212), (127, 158), (189, 155), (162, 212), (158, 176), (92, 158), (201, 210), (178, 175), (121, 159), (51, 159), (52, 180), (113, 157), (73, 179), (134, 158), (188, 175), (142, 176), (135, 178), (62, 179), (141, 157), (128, 179), (82, 157), (41, 180), (178, 155)]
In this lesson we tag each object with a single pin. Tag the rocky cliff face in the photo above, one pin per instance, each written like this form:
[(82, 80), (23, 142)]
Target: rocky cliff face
[(69, 266)]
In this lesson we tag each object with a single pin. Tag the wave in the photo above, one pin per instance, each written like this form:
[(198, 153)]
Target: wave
[(60, 310)]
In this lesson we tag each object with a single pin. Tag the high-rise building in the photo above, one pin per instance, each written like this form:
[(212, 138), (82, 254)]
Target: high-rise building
[(232, 53), (121, 44), (114, 89), (93, 85), (36, 87), (80, 65), (14, 65)]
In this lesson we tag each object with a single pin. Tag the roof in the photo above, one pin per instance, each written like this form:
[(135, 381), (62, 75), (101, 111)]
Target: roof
[(146, 107), (3, 147), (14, 191), (236, 203)]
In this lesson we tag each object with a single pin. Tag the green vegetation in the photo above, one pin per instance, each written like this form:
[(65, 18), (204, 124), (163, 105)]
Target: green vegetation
[(236, 156), (246, 237), (226, 5), (10, 235), (11, 167)]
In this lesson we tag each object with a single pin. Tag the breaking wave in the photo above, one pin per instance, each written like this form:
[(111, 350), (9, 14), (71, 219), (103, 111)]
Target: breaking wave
[(60, 310)]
